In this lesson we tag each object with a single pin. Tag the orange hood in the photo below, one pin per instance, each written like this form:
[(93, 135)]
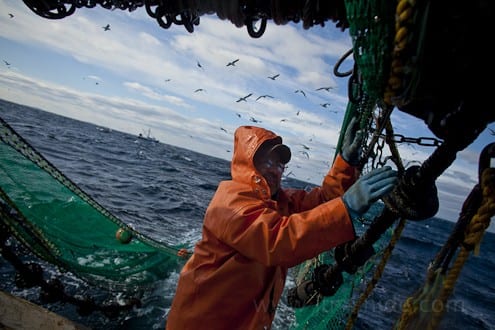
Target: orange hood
[(247, 140)]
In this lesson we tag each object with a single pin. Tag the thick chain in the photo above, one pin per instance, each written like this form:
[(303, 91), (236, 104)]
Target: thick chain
[(422, 141), (378, 159)]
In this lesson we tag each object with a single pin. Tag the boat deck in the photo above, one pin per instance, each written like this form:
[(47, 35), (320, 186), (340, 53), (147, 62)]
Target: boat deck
[(17, 313)]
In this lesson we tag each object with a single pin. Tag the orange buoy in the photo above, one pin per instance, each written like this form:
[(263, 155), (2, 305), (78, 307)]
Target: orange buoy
[(123, 236), (183, 253)]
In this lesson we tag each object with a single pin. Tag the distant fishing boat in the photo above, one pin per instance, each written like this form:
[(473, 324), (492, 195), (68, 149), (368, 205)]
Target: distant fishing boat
[(148, 136)]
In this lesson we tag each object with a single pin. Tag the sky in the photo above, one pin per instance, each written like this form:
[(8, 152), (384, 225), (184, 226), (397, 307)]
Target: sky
[(140, 78)]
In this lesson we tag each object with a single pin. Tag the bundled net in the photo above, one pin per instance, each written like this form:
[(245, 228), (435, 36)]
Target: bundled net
[(63, 225), (371, 27), (393, 47), (333, 312)]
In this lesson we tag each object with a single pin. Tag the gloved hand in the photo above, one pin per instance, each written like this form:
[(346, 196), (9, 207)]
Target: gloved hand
[(352, 142), (369, 188)]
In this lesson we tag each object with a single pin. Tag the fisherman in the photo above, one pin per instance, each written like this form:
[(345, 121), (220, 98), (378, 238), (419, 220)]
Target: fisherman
[(254, 230)]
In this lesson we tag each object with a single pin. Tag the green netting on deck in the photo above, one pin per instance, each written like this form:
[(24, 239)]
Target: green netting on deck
[(63, 225), (372, 29), (333, 312)]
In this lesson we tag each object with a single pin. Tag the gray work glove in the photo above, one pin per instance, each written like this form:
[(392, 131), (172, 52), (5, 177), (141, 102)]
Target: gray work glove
[(369, 188), (352, 142)]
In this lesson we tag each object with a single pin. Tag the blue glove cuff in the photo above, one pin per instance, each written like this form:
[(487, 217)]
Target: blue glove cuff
[(353, 215)]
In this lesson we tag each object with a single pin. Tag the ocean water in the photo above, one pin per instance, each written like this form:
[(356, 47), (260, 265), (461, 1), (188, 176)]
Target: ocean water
[(163, 191)]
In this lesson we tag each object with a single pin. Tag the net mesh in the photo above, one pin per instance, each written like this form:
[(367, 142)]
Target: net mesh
[(332, 312), (372, 29), (63, 225)]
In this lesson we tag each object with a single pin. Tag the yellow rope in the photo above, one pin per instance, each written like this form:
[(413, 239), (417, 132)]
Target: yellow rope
[(419, 307), (404, 18), (387, 252), (428, 303), (473, 236)]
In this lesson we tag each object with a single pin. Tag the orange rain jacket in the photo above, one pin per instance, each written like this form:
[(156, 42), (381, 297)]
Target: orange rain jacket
[(237, 272)]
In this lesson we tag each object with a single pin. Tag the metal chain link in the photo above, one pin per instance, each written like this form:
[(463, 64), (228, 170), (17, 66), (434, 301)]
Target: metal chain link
[(422, 141), (377, 157)]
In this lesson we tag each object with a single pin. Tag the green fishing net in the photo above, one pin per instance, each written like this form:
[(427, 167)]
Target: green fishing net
[(63, 225), (372, 29), (332, 312)]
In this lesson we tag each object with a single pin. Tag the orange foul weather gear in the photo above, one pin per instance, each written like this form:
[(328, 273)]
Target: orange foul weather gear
[(237, 272)]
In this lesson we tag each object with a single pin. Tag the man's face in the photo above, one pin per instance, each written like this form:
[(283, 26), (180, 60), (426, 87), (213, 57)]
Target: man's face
[(271, 168)]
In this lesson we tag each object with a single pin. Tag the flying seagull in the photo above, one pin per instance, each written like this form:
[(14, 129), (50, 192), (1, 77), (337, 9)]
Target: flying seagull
[(11, 15), (199, 90), (232, 63), (199, 65), (325, 88), (6, 63), (254, 120), (274, 77), (300, 91), (305, 153), (325, 105), (106, 27), (263, 96), (244, 98)]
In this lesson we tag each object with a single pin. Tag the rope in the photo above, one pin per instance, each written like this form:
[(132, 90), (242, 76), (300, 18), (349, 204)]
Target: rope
[(474, 234), (404, 27), (414, 315), (439, 286), (387, 252)]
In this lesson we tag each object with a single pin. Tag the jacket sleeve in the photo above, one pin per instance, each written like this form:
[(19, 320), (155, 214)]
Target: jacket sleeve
[(261, 233), (338, 179)]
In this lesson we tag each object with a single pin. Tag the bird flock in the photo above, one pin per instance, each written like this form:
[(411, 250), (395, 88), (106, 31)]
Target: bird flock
[(243, 98), (232, 63), (304, 150), (272, 77)]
